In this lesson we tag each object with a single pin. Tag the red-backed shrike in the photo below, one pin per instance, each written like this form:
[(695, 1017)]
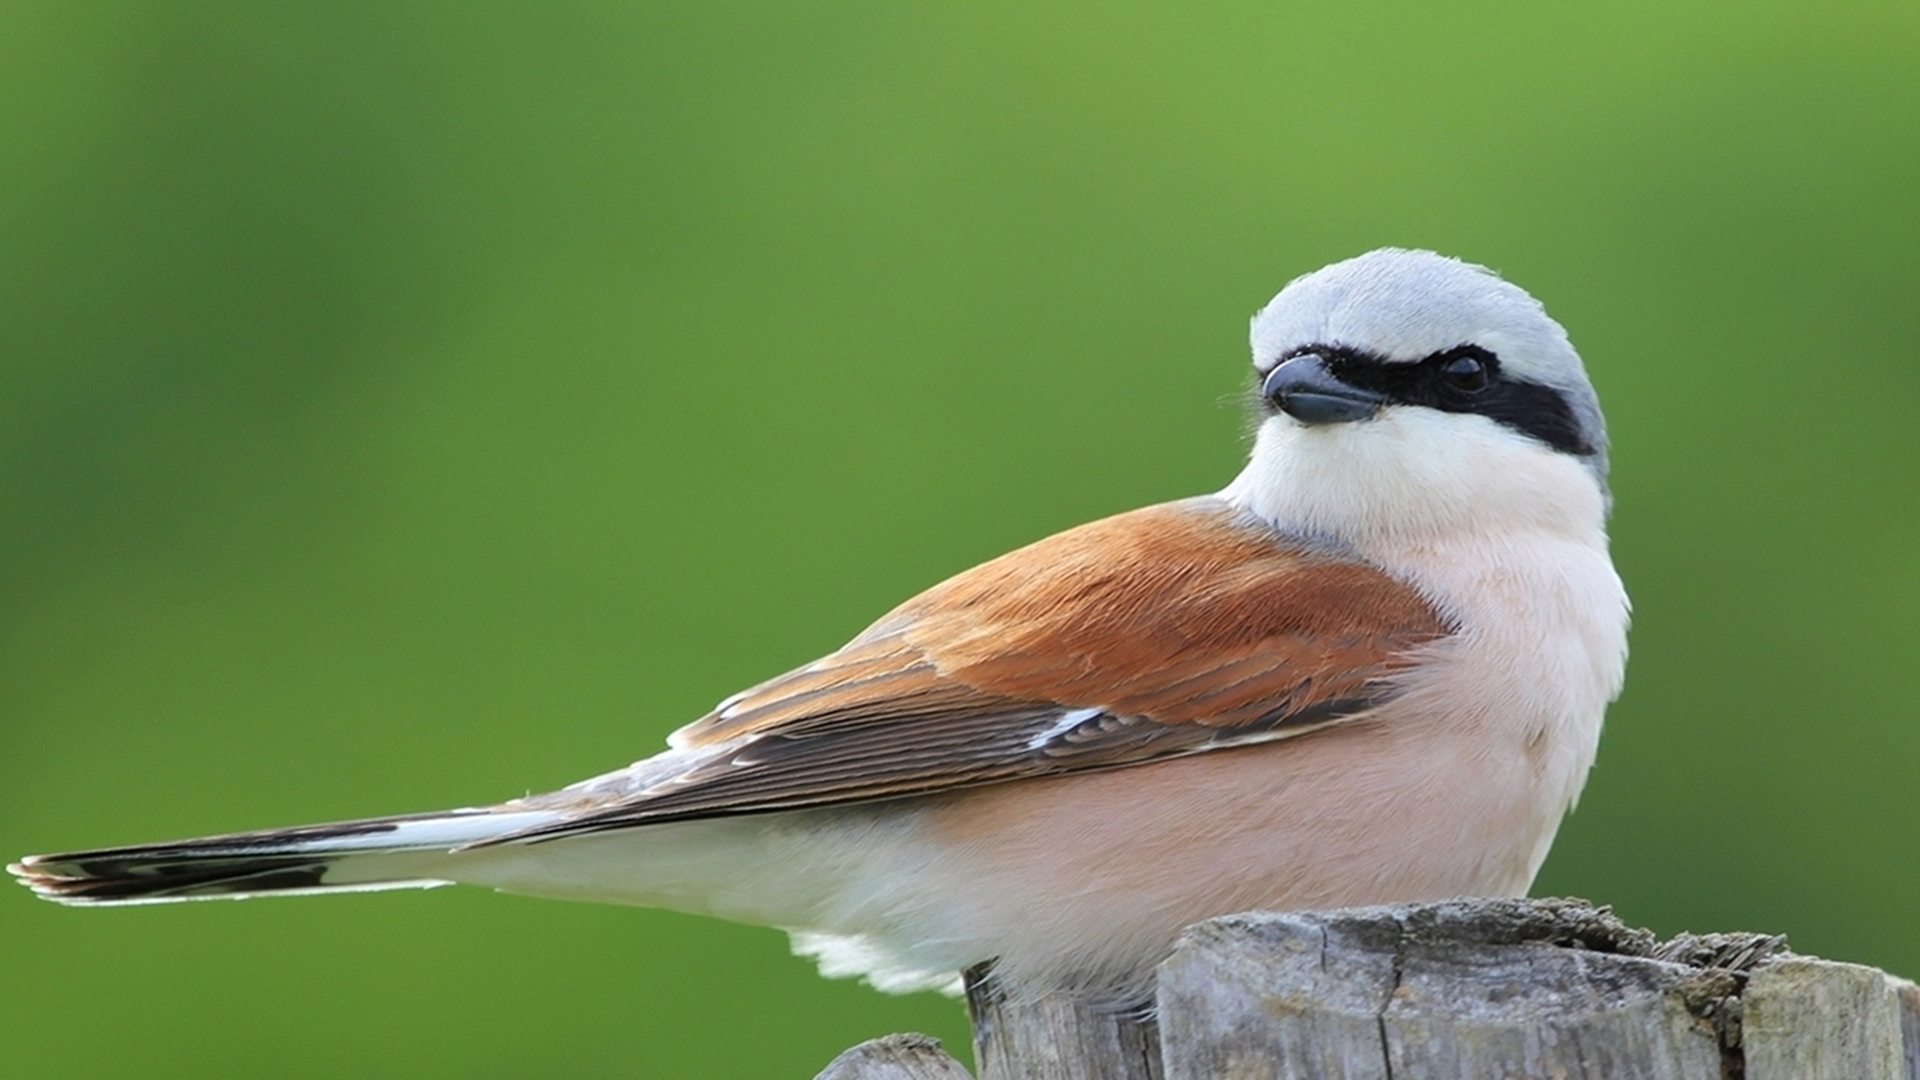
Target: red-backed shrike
[(1371, 669)]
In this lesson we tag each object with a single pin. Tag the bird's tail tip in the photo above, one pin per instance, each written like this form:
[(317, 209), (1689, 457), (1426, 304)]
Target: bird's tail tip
[(351, 856), (85, 880)]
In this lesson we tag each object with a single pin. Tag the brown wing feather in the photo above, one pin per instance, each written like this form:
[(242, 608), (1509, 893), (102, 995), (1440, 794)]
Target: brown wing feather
[(1173, 629)]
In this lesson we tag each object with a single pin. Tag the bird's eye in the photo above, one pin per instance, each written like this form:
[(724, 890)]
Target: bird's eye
[(1465, 373)]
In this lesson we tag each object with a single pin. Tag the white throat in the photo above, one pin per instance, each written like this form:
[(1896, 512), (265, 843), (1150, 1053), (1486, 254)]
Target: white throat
[(1415, 477)]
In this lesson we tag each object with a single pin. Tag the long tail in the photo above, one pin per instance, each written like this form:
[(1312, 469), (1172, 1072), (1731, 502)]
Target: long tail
[(349, 856)]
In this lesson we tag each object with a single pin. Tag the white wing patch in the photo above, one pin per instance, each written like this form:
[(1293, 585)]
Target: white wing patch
[(1061, 727)]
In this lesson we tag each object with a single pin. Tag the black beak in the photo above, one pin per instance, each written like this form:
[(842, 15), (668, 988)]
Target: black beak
[(1304, 389)]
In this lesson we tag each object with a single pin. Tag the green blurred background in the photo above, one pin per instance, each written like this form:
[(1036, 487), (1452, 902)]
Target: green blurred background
[(406, 405)]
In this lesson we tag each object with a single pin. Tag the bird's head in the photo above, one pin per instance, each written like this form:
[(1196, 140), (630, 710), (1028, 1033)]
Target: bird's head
[(1404, 393)]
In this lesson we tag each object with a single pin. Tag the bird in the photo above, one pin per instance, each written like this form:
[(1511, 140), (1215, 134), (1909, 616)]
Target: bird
[(1371, 669)]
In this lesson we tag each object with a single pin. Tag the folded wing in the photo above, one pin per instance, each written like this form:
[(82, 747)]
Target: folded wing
[(1173, 630)]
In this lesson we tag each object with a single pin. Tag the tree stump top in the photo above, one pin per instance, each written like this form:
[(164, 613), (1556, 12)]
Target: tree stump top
[(1465, 989)]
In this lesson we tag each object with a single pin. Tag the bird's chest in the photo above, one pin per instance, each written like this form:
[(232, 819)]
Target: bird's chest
[(1521, 688)]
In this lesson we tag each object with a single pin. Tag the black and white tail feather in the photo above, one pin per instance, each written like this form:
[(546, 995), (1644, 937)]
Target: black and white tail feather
[(368, 855)]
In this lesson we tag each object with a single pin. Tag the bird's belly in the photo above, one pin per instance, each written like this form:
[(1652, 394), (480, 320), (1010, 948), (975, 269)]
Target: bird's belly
[(1086, 880)]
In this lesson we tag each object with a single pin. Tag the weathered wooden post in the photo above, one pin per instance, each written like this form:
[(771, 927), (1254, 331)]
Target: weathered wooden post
[(895, 1057), (1464, 990), (1059, 1038)]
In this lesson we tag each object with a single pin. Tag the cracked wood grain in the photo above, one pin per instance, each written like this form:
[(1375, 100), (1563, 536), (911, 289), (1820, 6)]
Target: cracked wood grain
[(1858, 1033), (1480, 989), (1436, 992), (1058, 1037)]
